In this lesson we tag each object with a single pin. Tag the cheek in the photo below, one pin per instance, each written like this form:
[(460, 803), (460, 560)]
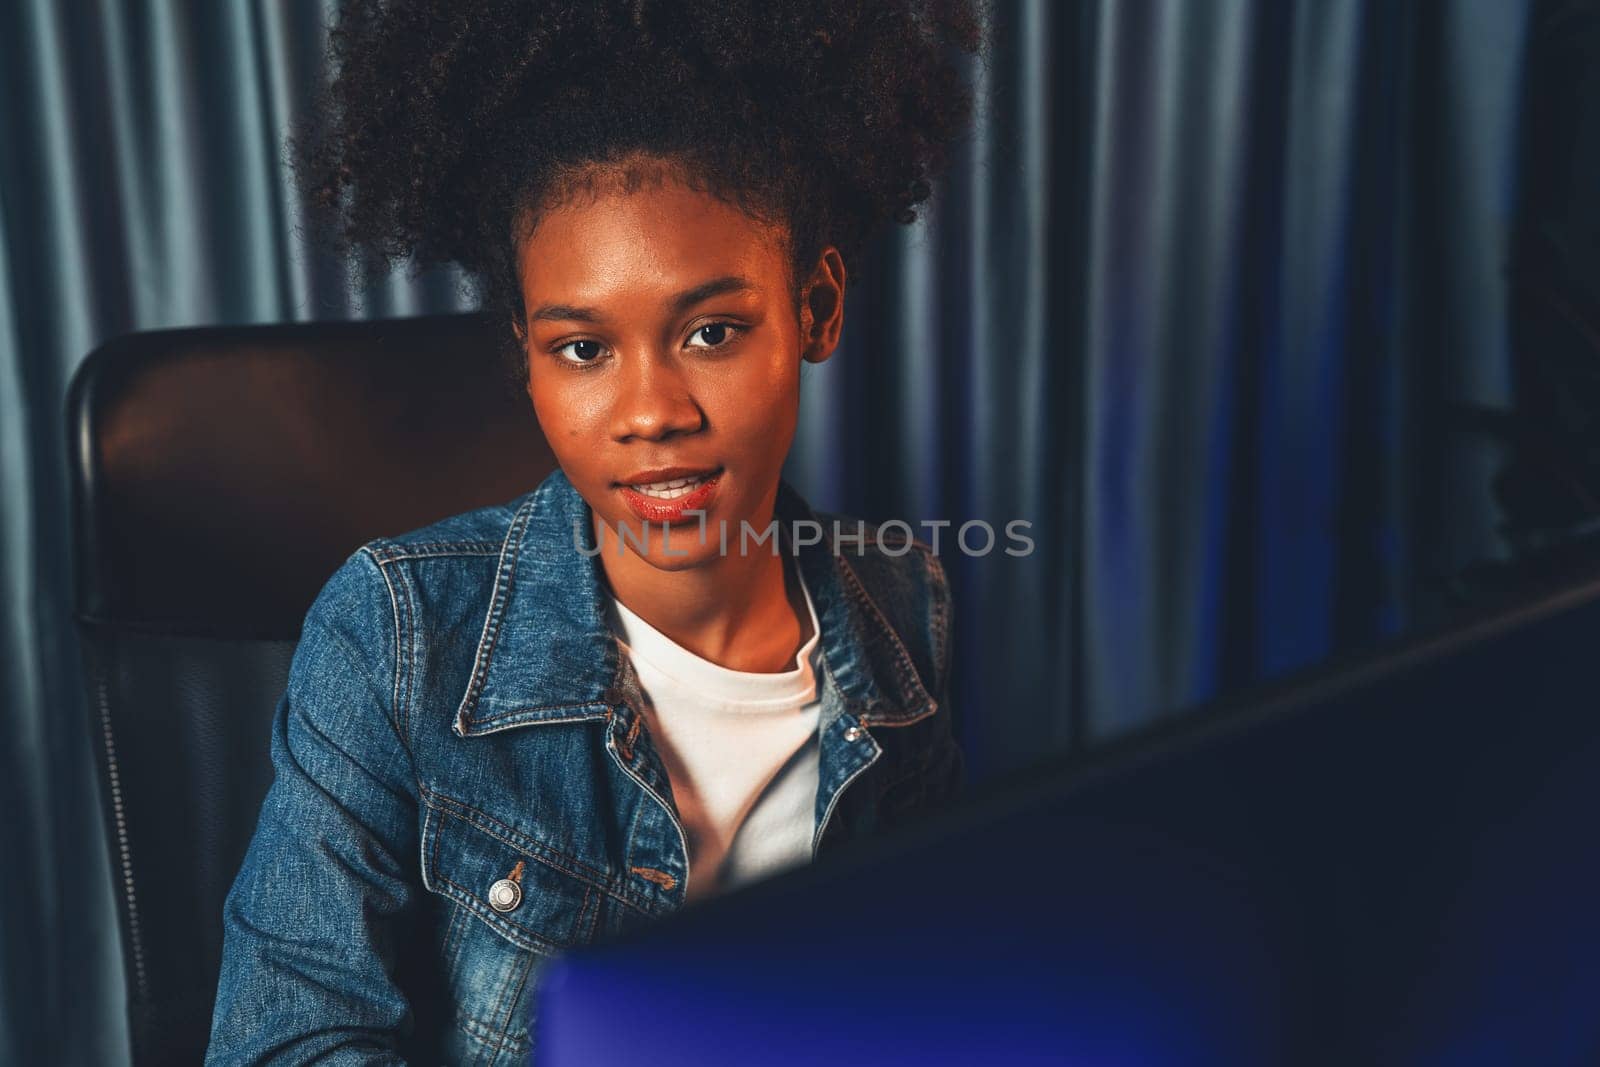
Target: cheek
[(564, 410), (759, 400)]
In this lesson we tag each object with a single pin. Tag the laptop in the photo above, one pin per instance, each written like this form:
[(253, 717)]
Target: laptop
[(1393, 860)]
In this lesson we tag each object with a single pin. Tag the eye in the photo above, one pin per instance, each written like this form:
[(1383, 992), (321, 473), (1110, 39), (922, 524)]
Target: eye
[(713, 334), (582, 351)]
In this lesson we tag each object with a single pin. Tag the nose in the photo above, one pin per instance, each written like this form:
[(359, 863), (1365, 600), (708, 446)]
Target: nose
[(654, 399)]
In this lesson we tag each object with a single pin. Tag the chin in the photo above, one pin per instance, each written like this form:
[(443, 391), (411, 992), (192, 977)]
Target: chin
[(692, 556)]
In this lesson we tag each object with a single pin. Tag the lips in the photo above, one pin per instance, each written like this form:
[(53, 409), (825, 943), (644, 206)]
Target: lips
[(667, 494), (659, 475)]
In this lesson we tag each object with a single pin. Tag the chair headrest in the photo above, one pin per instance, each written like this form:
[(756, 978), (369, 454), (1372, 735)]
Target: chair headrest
[(222, 474)]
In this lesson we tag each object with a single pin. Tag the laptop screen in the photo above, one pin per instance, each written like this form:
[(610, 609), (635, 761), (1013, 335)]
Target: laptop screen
[(1393, 861)]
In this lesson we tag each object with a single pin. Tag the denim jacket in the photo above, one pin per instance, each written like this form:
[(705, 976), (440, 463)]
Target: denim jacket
[(464, 784)]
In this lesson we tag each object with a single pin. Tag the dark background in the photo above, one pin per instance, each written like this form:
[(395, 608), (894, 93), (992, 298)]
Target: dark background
[(1209, 299)]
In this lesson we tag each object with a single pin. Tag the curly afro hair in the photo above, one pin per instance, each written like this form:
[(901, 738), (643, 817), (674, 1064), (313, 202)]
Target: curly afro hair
[(448, 125)]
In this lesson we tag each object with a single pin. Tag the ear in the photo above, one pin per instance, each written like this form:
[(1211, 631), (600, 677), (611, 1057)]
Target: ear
[(822, 307)]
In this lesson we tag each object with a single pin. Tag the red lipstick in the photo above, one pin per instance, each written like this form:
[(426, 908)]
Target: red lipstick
[(671, 508)]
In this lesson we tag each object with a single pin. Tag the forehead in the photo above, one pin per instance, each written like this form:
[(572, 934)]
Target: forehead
[(613, 239)]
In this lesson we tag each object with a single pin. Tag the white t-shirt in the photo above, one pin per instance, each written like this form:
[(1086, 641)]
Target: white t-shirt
[(740, 749)]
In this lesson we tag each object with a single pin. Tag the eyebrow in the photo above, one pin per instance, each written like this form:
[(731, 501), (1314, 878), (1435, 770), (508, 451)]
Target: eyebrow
[(728, 283)]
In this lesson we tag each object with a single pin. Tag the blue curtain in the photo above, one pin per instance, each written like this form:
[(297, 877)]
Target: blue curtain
[(1194, 303), (1197, 304)]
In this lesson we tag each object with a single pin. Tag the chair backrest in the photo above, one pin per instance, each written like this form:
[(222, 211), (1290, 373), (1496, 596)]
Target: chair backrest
[(220, 476)]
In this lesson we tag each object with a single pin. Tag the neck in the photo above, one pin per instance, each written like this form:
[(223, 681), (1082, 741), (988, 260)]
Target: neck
[(744, 612)]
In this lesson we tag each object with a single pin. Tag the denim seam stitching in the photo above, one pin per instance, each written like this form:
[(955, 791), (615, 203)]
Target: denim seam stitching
[(458, 912), (633, 832), (903, 665), (910, 720), (406, 638), (481, 725), (471, 1025), (503, 1013), (508, 835), (515, 932), (520, 935), (394, 608), (409, 696), (546, 854), (683, 838), (409, 556), (833, 801), (531, 848), (902, 660), (591, 907), (510, 551), (941, 621), (392, 552)]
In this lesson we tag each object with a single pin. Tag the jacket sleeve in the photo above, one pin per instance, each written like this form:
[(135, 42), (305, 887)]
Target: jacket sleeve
[(309, 925)]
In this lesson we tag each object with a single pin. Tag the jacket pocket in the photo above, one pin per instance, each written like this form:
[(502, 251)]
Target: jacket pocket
[(497, 939)]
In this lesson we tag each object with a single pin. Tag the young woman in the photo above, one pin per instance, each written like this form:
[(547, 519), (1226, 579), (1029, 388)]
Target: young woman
[(659, 674)]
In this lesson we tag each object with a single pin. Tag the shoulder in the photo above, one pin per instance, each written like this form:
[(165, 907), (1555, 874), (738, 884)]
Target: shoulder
[(887, 557), (901, 578), (476, 532), (378, 591), (445, 567), (399, 602), (365, 584)]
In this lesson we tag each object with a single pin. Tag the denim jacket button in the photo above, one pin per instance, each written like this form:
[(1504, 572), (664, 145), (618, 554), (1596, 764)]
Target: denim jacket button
[(505, 895), (854, 733)]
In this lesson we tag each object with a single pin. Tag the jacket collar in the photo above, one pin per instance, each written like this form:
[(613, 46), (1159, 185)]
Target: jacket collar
[(547, 655)]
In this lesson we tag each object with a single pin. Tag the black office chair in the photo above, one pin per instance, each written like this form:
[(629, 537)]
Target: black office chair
[(220, 476)]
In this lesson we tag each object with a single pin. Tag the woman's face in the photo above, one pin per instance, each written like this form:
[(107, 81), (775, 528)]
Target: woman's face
[(661, 333)]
